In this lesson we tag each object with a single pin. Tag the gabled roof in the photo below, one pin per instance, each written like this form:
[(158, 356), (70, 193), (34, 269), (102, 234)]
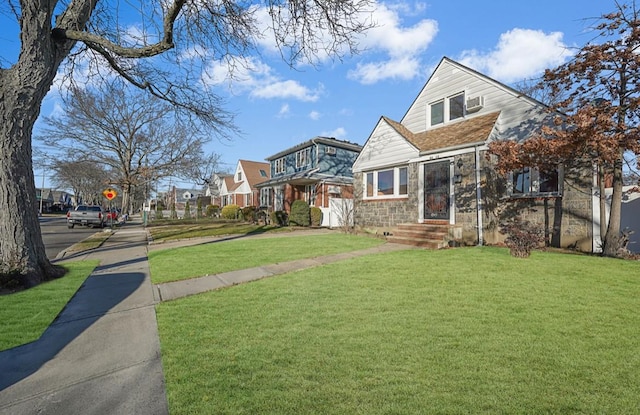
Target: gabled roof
[(467, 132), (255, 172)]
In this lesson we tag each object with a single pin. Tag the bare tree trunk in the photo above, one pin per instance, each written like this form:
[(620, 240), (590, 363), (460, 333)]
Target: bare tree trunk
[(612, 239), (23, 260)]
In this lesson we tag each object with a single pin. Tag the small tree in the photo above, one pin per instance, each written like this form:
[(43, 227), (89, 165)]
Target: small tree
[(299, 213), (174, 214), (199, 209), (522, 237), (187, 210), (600, 113)]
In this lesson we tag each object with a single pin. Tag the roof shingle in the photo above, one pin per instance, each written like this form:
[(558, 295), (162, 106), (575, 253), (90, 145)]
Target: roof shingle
[(472, 130)]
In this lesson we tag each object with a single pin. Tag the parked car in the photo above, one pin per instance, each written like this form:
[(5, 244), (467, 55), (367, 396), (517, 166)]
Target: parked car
[(86, 215), (112, 215)]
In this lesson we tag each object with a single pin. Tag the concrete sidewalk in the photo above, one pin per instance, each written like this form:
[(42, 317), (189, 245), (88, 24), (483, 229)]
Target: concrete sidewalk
[(102, 353)]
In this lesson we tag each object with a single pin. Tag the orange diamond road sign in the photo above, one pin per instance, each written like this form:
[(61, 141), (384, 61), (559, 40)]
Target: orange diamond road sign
[(110, 194)]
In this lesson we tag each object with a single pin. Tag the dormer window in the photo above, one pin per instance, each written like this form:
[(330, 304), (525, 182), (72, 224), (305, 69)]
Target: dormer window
[(437, 112), (456, 106), (279, 166), (448, 109)]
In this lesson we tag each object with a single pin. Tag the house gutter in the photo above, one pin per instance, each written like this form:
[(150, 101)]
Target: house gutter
[(479, 207), (452, 148)]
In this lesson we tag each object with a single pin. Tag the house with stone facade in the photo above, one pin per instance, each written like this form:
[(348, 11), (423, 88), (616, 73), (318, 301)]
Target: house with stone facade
[(428, 177)]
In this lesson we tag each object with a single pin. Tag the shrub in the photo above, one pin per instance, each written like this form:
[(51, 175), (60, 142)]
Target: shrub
[(187, 211), (159, 214), (279, 218), (249, 213), (299, 213), (316, 216), (230, 212), (212, 210), (199, 209), (523, 237), (174, 214)]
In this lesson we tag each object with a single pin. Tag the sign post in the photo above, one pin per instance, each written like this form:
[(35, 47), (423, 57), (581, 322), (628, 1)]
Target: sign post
[(110, 194)]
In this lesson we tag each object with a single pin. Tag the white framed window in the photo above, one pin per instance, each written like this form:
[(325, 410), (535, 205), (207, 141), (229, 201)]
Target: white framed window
[(266, 196), (386, 183), (456, 106), (239, 176), (279, 166), (303, 157), (449, 109), (436, 112), (531, 182)]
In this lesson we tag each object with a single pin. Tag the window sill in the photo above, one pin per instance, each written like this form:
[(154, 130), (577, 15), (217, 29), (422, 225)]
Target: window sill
[(385, 198), (551, 195)]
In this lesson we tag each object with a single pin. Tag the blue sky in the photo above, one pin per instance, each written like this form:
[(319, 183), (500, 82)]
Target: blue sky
[(507, 40), (278, 107)]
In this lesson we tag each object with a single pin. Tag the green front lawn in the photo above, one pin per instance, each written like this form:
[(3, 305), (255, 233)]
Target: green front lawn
[(468, 330), (25, 315), (217, 257)]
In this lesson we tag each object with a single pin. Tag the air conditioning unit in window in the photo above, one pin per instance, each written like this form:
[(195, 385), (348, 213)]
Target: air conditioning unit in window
[(475, 104), (330, 150)]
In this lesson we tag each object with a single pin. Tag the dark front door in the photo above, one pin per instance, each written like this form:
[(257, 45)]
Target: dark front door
[(436, 190)]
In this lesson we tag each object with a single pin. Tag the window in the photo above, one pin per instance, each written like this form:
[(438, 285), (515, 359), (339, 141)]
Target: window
[(437, 113), (531, 182), (239, 176), (369, 185), (456, 107), (450, 109), (303, 157), (402, 189), (386, 183), (263, 173), (266, 196), (279, 166)]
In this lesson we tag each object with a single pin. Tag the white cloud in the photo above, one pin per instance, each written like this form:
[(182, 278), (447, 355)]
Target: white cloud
[(284, 111), (519, 54), (339, 133), (258, 80), (285, 89), (400, 47), (401, 68), (388, 47), (315, 115)]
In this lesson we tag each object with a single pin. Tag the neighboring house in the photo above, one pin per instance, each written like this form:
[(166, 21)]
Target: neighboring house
[(432, 167), (44, 199), (317, 171), (214, 188), (62, 200), (240, 187), (180, 197)]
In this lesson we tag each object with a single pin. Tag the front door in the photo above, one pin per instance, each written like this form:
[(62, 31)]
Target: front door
[(436, 190)]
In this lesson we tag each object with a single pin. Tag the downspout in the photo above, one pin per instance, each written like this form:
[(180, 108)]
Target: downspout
[(479, 207)]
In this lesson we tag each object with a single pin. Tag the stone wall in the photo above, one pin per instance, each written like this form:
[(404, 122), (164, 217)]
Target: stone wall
[(384, 214), (567, 220)]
